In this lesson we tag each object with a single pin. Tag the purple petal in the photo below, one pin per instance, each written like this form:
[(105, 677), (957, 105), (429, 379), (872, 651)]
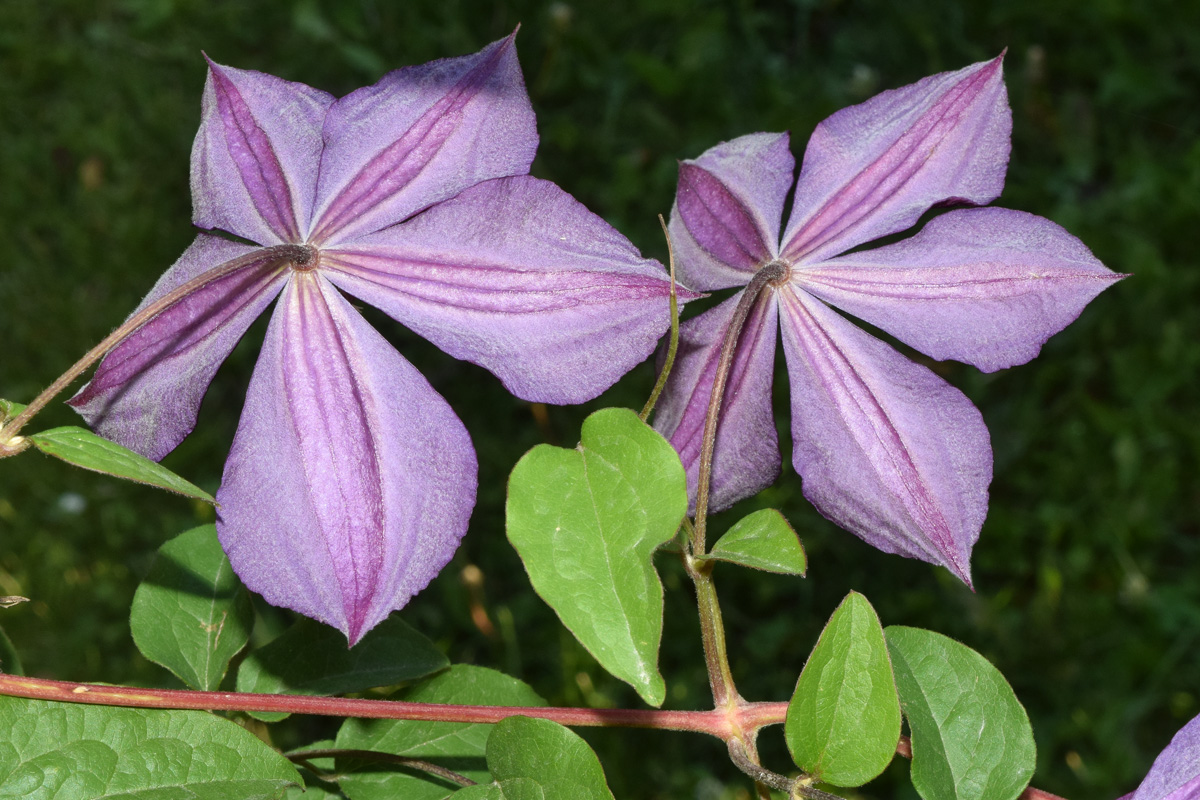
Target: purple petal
[(420, 135), (1175, 774), (886, 449), (518, 277), (746, 455), (147, 391), (350, 480), (725, 223), (987, 286), (255, 159), (873, 169)]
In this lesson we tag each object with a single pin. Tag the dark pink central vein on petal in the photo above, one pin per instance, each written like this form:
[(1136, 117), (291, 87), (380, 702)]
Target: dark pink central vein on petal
[(882, 444), (493, 288), (406, 158), (883, 178), (257, 163), (338, 443)]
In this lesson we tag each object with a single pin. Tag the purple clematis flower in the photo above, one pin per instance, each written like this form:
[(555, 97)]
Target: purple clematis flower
[(350, 480), (1175, 774), (885, 448)]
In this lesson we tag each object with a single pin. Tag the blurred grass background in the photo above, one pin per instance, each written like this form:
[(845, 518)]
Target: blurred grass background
[(1086, 570)]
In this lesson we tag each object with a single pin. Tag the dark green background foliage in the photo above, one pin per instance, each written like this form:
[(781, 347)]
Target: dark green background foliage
[(1087, 597)]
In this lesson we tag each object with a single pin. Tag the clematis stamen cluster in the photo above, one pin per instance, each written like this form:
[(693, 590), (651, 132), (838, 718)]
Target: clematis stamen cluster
[(350, 480), (885, 448)]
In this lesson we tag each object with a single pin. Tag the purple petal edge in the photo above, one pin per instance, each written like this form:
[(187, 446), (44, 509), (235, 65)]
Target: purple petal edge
[(1175, 774), (885, 448), (350, 481)]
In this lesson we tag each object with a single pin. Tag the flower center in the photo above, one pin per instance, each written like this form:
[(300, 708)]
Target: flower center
[(303, 257), (776, 272)]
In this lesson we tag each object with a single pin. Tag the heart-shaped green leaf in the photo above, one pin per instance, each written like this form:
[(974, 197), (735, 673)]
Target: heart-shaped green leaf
[(191, 614), (84, 752), (843, 723), (586, 523), (85, 449), (457, 746), (311, 658), (971, 738), (762, 540)]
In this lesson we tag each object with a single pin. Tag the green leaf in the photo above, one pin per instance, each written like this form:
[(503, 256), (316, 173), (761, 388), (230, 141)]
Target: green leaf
[(586, 523), (513, 789), (85, 449), (549, 755), (191, 614), (455, 745), (54, 751), (10, 660), (762, 540), (971, 738), (9, 409), (843, 723), (311, 658)]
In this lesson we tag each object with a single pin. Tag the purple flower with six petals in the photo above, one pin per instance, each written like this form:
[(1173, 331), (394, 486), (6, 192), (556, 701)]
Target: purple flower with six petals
[(885, 448), (350, 480)]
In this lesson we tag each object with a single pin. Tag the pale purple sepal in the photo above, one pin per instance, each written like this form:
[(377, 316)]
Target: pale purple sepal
[(256, 155), (146, 392), (725, 222), (350, 481), (873, 169), (517, 276), (746, 453), (1175, 774), (986, 286), (885, 448), (420, 135)]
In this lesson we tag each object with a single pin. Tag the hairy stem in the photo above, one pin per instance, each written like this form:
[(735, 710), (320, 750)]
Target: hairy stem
[(767, 274), (294, 253), (749, 717)]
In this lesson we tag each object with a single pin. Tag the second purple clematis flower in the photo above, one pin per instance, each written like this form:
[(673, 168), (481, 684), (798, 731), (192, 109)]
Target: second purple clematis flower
[(885, 448), (350, 480)]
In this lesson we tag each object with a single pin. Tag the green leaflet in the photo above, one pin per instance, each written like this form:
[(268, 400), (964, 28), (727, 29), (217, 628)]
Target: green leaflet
[(85, 449), (762, 540), (971, 738), (455, 745), (9, 409), (311, 658), (586, 523), (191, 614), (54, 751), (527, 755), (843, 722)]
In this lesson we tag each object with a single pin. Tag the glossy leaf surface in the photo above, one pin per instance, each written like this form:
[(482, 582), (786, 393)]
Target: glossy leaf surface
[(586, 523), (83, 448), (971, 738), (191, 614), (66, 750), (844, 719), (762, 540), (455, 745)]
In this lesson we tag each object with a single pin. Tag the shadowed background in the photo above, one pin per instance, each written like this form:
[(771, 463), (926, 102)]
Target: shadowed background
[(1087, 598)]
